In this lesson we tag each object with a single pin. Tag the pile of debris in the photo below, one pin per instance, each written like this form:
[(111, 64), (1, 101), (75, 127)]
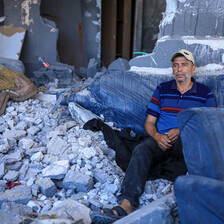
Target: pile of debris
[(51, 168)]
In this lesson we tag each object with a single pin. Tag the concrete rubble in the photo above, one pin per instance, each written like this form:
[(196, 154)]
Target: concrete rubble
[(65, 171)]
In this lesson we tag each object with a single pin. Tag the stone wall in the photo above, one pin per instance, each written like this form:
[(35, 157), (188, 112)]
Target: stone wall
[(191, 24)]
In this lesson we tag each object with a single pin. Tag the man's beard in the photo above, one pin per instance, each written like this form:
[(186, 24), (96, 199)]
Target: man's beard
[(187, 77)]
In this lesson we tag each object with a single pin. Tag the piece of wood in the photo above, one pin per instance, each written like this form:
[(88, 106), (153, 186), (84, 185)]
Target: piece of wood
[(108, 37), (127, 29)]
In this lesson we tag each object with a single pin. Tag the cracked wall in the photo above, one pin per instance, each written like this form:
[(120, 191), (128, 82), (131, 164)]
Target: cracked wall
[(191, 24), (42, 34)]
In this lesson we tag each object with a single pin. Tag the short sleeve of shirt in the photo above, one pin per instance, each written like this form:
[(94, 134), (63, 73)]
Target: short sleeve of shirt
[(210, 102), (154, 105)]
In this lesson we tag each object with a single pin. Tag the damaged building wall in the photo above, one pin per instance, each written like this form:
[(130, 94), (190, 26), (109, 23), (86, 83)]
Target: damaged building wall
[(91, 19), (47, 36), (191, 24), (68, 20), (182, 27), (152, 15), (49, 24), (123, 96), (79, 29), (42, 34)]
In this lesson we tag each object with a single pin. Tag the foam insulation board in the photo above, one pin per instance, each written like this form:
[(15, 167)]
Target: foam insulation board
[(11, 41)]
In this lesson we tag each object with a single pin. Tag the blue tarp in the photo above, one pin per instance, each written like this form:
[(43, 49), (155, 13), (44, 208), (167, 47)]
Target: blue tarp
[(200, 195), (123, 96)]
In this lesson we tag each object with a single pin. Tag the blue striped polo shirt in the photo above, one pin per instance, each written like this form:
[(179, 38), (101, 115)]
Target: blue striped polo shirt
[(167, 102)]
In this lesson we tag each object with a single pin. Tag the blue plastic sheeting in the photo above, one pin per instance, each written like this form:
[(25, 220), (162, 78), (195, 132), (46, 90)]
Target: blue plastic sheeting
[(199, 200), (202, 135), (200, 195), (123, 96)]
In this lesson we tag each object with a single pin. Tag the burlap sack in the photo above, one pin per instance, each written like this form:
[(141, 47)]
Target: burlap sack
[(4, 97), (15, 86)]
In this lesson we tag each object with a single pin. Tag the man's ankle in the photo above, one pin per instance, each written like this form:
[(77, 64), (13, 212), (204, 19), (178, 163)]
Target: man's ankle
[(127, 206)]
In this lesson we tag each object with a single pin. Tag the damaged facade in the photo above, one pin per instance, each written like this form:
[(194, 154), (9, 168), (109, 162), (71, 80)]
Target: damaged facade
[(73, 32), (83, 39)]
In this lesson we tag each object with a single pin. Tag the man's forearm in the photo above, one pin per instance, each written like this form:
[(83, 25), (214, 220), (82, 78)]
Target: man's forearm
[(150, 126), (151, 130)]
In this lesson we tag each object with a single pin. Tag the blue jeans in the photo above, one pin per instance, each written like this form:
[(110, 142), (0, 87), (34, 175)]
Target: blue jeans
[(144, 156)]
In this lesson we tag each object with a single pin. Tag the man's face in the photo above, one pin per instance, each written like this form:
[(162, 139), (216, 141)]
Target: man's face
[(182, 69)]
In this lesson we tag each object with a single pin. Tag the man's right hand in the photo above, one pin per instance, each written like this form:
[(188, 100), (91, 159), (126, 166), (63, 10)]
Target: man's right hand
[(163, 141)]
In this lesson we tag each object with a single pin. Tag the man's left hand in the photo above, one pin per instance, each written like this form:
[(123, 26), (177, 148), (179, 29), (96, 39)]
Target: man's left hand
[(173, 135)]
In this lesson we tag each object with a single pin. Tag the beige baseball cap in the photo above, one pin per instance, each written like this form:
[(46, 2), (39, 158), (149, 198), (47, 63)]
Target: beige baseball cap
[(187, 54)]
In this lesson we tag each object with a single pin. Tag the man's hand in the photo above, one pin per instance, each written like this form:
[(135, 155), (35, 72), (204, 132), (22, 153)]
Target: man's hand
[(166, 141), (173, 135), (163, 141)]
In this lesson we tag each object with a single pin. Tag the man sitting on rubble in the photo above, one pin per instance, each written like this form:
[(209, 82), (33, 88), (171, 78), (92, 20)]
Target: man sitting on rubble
[(168, 99)]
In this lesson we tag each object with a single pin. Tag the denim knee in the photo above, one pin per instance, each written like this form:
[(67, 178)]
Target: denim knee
[(140, 152)]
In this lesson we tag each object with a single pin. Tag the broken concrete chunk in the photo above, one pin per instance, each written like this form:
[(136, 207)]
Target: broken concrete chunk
[(2, 169), (15, 208), (21, 125), (56, 146), (71, 209), (4, 145), (78, 181), (3, 125), (119, 64), (56, 170), (89, 152), (16, 166), (102, 176), (11, 175), (34, 205), (30, 172), (26, 143), (156, 212), (5, 216), (18, 194), (13, 157), (47, 187), (14, 134), (33, 130), (93, 67), (81, 113), (38, 156), (32, 151)]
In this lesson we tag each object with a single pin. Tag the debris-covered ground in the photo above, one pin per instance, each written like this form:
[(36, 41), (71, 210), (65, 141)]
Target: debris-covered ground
[(55, 159)]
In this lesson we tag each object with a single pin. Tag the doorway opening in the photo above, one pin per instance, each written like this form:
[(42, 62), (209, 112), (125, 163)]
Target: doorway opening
[(117, 30), (128, 27)]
